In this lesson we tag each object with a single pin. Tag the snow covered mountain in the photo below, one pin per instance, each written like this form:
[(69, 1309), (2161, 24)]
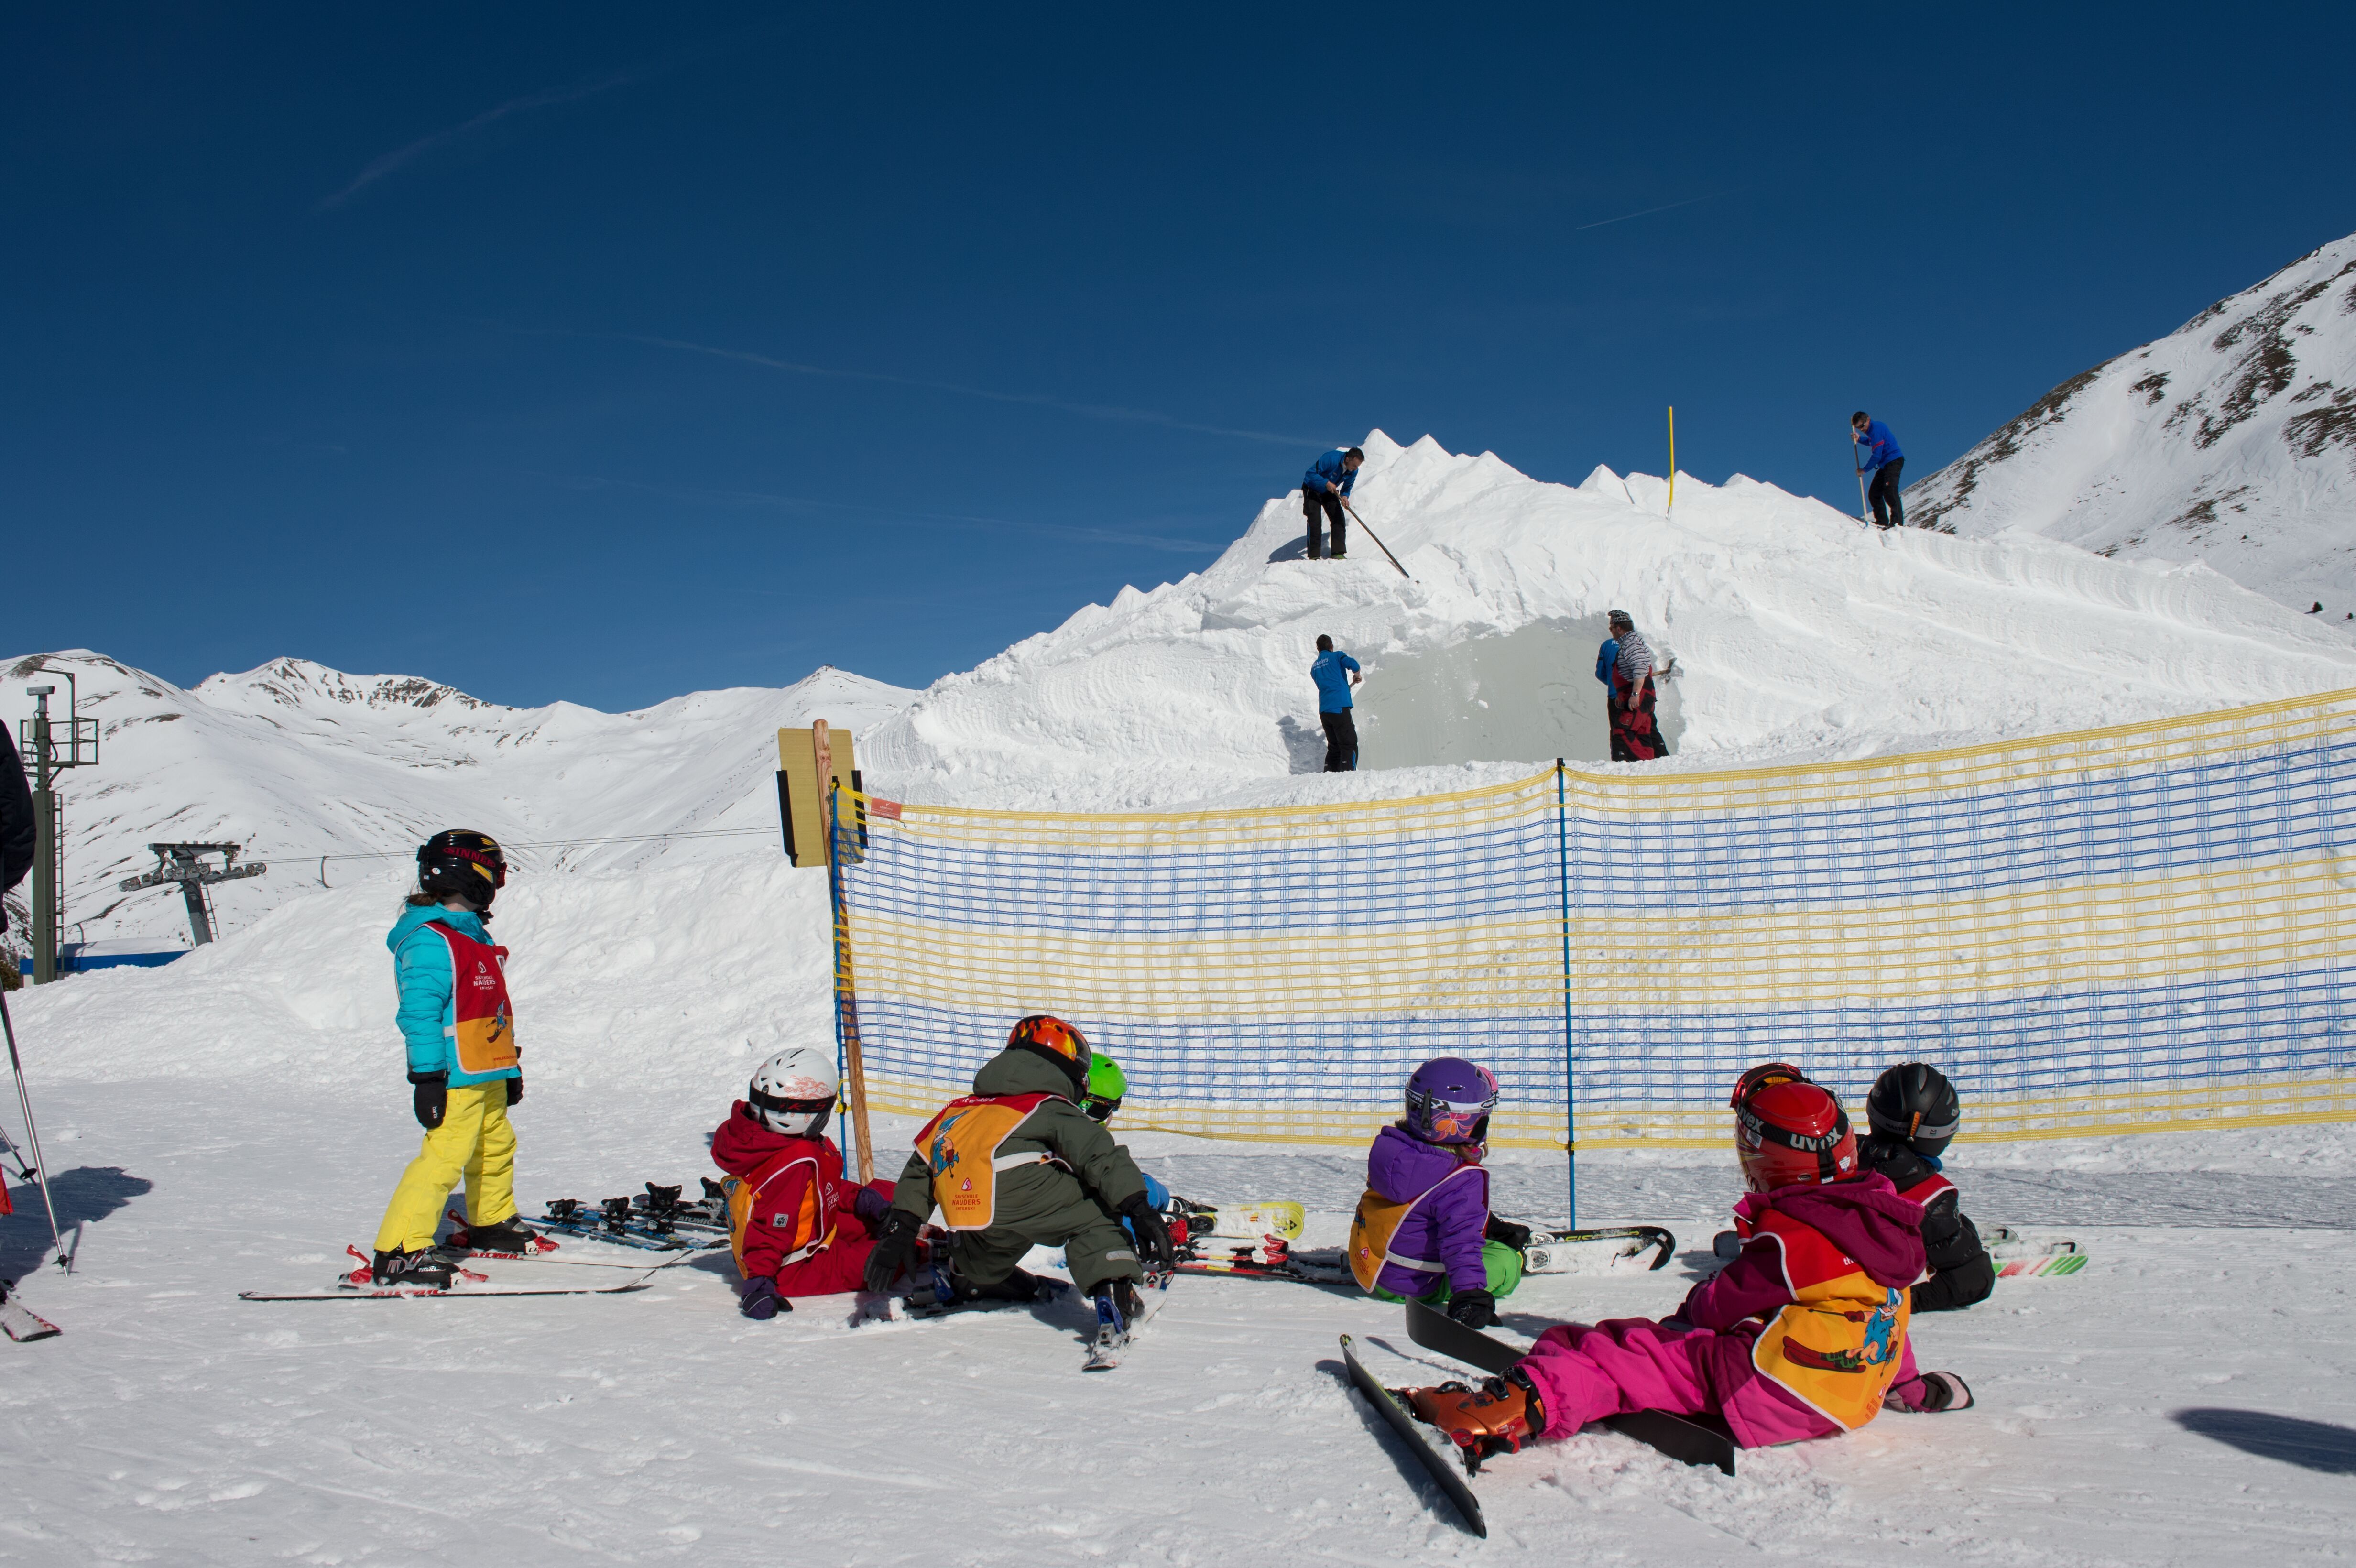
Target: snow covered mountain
[(2231, 440), (1797, 633), (296, 762)]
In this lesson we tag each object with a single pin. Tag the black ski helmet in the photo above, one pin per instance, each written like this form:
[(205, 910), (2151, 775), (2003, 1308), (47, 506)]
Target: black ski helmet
[(1914, 1105), (459, 863)]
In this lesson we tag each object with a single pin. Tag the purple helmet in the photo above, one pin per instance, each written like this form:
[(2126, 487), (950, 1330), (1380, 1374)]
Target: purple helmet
[(1449, 1099)]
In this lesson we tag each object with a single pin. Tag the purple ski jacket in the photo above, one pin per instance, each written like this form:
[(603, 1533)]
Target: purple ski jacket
[(1446, 1230)]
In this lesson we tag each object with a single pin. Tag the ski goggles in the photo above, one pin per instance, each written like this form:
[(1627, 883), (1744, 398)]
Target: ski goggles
[(1766, 1076)]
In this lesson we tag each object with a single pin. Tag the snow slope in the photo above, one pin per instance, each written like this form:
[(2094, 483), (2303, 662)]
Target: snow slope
[(1797, 633), (2231, 440), (297, 761)]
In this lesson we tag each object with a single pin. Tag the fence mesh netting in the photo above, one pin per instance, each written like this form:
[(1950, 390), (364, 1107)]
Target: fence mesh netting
[(2139, 929)]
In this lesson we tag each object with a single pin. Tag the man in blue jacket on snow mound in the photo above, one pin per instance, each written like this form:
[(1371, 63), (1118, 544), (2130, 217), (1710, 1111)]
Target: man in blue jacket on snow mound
[(1878, 451), (1321, 489)]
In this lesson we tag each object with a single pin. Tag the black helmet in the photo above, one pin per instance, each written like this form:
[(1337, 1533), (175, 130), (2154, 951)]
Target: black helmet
[(1914, 1105), (458, 863)]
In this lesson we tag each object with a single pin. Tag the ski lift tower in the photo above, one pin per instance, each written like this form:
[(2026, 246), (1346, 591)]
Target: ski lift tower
[(184, 864), (50, 750)]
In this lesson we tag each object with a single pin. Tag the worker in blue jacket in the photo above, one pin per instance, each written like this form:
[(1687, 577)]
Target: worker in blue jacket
[(1321, 489), (1877, 453), (1335, 673)]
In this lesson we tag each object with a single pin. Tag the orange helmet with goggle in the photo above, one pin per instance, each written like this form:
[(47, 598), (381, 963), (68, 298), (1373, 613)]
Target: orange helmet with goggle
[(1058, 1041)]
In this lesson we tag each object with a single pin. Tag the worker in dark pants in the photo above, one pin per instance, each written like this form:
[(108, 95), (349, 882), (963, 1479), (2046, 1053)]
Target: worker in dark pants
[(1335, 673), (1877, 453), (1321, 489)]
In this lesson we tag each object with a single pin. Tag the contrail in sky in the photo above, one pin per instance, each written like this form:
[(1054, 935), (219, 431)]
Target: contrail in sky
[(399, 156), (1602, 222), (1035, 400)]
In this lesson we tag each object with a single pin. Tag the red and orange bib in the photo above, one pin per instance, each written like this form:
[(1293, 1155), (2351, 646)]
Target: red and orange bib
[(482, 1025)]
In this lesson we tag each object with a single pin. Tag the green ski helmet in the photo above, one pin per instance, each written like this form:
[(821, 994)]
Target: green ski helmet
[(1107, 1085)]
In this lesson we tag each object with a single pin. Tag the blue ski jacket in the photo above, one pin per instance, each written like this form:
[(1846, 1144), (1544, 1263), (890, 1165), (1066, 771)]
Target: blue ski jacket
[(428, 1013), (1877, 447), (1327, 473), (1330, 674)]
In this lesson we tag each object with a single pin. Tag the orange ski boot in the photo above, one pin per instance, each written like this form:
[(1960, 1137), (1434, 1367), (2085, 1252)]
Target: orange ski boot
[(1497, 1417)]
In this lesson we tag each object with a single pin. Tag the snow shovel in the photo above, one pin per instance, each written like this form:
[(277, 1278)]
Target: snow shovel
[(1379, 545)]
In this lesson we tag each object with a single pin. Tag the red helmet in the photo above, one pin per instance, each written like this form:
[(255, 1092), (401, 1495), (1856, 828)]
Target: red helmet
[(1789, 1132)]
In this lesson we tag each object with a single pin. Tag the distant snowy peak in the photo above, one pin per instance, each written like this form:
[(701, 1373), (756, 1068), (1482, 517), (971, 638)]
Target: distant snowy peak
[(302, 684), (2232, 442)]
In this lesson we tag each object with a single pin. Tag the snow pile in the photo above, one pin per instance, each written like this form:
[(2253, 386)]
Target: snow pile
[(297, 760), (1798, 635), (2231, 440)]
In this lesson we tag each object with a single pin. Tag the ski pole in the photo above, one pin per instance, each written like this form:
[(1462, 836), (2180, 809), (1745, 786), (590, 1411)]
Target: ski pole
[(1864, 511), (33, 1136), (1378, 538)]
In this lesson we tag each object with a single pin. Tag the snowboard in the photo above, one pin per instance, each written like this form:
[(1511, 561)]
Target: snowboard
[(1688, 1439), (1442, 1459)]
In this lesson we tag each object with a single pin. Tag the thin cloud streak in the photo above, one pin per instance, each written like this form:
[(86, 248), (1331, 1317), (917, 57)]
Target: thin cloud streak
[(1034, 400), (1605, 222), (400, 156), (803, 503)]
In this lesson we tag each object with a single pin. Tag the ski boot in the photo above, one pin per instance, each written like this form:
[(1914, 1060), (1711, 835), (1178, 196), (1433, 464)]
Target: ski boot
[(508, 1235), (1497, 1417), (423, 1270)]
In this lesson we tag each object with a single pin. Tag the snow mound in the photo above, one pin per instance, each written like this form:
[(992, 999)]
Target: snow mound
[(1798, 635), (2231, 440)]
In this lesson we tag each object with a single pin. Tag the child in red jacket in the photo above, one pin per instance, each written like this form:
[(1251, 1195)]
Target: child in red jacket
[(1804, 1335), (798, 1227)]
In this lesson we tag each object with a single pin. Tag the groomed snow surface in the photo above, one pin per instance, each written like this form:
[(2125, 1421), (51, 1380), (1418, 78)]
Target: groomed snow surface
[(233, 1121)]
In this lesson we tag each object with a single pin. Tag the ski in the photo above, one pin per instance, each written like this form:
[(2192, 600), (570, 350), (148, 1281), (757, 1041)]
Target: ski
[(356, 1285), (1282, 1219), (2025, 1257), (1113, 1336), (1442, 1459), (21, 1323), (1612, 1249), (618, 1221), (1688, 1439)]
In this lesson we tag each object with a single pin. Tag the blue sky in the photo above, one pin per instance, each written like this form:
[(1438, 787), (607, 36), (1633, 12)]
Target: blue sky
[(607, 353)]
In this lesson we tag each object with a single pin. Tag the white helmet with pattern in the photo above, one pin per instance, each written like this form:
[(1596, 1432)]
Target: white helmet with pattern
[(792, 1093)]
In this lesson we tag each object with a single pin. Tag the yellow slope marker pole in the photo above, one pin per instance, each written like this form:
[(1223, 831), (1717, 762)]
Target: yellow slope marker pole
[(1673, 462), (855, 1071)]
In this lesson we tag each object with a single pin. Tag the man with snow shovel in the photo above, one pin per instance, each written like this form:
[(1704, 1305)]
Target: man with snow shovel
[(1878, 454), (1323, 489), (1624, 664), (1334, 673)]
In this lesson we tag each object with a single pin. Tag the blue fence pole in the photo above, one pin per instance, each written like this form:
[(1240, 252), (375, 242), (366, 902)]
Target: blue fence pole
[(1570, 1090)]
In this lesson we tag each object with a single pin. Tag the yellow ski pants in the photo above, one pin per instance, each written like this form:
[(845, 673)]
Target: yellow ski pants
[(474, 1142)]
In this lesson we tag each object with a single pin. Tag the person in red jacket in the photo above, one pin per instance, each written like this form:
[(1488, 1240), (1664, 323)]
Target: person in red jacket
[(797, 1226), (1804, 1335)]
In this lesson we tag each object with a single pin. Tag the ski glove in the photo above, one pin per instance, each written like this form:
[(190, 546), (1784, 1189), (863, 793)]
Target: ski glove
[(1152, 1235), (893, 1250), (515, 1088), (430, 1095), (1505, 1231), (760, 1301), (871, 1206), (1473, 1308)]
